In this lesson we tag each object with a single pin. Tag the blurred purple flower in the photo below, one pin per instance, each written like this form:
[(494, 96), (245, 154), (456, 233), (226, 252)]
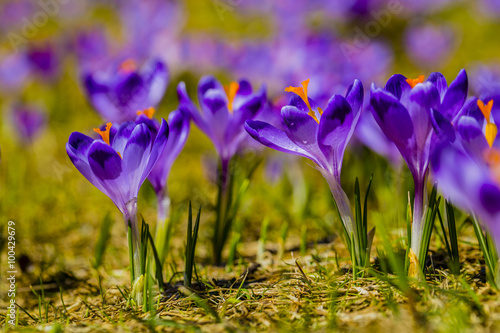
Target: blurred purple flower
[(120, 92), (406, 110), (321, 136), (148, 22), (44, 60), (223, 113), (28, 121), (14, 72), (319, 56), (41, 60), (13, 13), (430, 45), (490, 8), (485, 82), (92, 49)]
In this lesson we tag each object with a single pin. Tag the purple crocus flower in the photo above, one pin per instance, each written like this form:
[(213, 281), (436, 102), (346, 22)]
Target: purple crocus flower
[(29, 122), (119, 93), (222, 117), (178, 124), (223, 114), (118, 163), (406, 110), (321, 136), (470, 183)]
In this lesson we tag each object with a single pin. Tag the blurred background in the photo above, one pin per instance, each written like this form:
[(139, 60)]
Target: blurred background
[(47, 46)]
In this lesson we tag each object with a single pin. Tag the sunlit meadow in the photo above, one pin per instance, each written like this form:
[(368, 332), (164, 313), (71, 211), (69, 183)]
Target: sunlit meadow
[(231, 165)]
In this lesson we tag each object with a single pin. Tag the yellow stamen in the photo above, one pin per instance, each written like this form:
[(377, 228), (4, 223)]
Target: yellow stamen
[(491, 130), (302, 93), (414, 82), (149, 112), (485, 109), (104, 134), (128, 66), (231, 91)]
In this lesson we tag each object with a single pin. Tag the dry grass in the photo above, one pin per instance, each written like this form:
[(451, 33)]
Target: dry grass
[(307, 294)]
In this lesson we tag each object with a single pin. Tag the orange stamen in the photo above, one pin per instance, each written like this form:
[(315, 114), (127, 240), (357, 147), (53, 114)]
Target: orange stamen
[(485, 109), (104, 134), (231, 91), (128, 66), (149, 112), (491, 131), (302, 93), (414, 82)]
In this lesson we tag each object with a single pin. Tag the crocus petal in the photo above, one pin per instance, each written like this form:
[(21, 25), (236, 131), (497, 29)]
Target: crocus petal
[(98, 96), (471, 109), (244, 91), (439, 81), (136, 155), (297, 102), (178, 124), (392, 117), (489, 194), (128, 91), (206, 83), (248, 109), (80, 143), (111, 179), (215, 100), (422, 98), (120, 139), (157, 149), (81, 164), (455, 96), (397, 85), (104, 161), (274, 138), (354, 96), (442, 126), (302, 129), (187, 105), (335, 130), (472, 137), (156, 77)]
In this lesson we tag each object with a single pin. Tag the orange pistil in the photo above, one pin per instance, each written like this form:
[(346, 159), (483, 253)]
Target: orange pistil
[(302, 93), (491, 130), (128, 66), (231, 91), (414, 82), (104, 134), (149, 112)]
